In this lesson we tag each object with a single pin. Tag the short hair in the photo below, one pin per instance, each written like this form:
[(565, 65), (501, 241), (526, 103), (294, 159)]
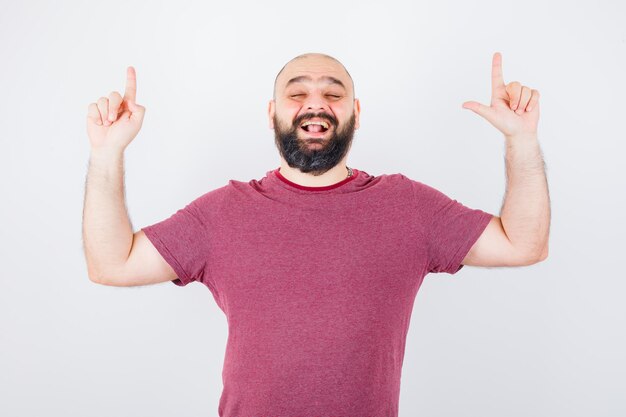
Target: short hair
[(306, 55)]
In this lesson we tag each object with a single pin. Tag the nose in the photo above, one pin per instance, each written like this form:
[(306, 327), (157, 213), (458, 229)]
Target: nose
[(316, 102)]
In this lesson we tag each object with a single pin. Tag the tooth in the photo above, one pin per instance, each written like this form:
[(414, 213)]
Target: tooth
[(316, 123)]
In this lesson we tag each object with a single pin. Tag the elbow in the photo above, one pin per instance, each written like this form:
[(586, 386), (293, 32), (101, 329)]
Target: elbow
[(544, 252), (102, 281), (109, 280), (97, 277), (542, 256), (531, 257), (93, 274)]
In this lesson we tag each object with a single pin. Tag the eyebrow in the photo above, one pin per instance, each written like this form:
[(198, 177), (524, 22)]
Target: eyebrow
[(327, 78)]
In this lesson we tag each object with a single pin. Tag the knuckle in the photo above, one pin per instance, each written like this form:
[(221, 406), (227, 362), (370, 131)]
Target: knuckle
[(512, 88)]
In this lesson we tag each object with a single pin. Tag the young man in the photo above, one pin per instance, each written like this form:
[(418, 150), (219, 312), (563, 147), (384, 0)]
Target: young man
[(317, 264)]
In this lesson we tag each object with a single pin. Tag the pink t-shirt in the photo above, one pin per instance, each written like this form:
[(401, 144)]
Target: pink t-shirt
[(317, 284)]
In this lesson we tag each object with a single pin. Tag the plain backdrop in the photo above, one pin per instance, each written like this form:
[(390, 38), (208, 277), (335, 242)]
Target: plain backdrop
[(544, 340)]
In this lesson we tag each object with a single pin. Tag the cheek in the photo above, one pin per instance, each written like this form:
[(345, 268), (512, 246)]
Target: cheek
[(289, 106), (342, 114), (342, 110), (287, 113)]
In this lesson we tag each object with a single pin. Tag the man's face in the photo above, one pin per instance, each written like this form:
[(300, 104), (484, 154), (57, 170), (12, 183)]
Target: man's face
[(314, 114)]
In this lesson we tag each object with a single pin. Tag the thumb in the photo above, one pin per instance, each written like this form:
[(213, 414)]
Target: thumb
[(132, 106), (480, 109), (136, 108)]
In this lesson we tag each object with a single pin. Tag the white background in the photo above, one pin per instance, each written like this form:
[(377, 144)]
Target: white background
[(544, 340)]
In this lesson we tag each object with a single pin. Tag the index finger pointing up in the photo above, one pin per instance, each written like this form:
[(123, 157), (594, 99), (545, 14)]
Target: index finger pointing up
[(497, 81), (130, 93)]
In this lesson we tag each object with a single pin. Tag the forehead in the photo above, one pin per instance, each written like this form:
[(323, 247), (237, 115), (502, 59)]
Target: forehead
[(318, 69)]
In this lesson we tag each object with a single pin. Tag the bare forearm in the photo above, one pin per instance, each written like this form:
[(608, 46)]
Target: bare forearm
[(525, 213), (107, 230)]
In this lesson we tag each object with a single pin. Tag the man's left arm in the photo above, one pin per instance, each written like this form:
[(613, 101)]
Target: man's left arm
[(519, 236)]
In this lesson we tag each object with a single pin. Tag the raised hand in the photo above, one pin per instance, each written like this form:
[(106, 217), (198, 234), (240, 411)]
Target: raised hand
[(514, 108), (113, 122)]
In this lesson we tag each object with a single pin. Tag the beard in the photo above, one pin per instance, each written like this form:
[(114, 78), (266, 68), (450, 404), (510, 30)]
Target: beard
[(306, 154)]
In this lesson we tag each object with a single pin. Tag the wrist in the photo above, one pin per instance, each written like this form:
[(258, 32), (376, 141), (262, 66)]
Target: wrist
[(522, 137), (106, 153)]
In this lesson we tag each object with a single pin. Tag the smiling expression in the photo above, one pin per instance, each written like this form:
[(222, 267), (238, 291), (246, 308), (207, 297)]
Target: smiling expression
[(314, 112), (314, 84)]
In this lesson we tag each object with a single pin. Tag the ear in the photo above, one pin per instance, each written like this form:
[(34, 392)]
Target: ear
[(271, 110), (357, 113)]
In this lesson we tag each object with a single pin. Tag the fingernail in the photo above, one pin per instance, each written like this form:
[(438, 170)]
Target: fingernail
[(513, 107), (111, 117), (529, 108), (99, 122)]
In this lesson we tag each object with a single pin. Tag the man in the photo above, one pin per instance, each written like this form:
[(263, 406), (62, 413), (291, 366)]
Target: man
[(317, 264)]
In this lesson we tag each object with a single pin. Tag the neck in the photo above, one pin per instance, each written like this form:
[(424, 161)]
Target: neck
[(334, 175)]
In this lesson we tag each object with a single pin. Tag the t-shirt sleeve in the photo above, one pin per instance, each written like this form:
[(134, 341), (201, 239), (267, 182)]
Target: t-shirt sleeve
[(450, 228), (182, 241)]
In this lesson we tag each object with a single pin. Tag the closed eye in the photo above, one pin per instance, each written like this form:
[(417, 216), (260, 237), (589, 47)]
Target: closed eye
[(328, 95)]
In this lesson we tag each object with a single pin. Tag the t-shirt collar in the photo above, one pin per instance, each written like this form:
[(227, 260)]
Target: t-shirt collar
[(277, 173)]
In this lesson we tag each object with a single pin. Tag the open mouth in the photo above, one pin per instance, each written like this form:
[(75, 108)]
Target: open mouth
[(315, 126)]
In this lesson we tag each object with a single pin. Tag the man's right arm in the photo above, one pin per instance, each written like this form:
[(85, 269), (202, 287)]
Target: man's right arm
[(115, 256)]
